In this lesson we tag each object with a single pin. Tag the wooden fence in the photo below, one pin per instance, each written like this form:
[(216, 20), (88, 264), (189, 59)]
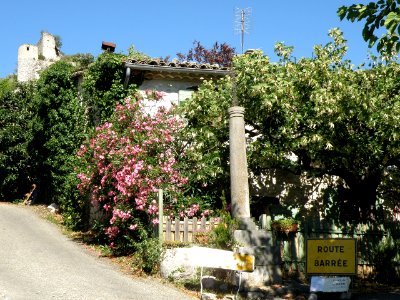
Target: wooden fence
[(185, 231), (293, 245)]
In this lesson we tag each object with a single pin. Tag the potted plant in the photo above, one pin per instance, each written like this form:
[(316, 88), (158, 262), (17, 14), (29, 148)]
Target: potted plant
[(285, 225)]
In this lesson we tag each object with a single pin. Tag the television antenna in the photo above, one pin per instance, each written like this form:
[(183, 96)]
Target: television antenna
[(242, 22)]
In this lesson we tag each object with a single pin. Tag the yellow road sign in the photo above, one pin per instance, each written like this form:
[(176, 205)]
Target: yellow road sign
[(222, 259), (331, 256), (244, 262)]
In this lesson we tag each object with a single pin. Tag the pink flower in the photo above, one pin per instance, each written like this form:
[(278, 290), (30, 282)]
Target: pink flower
[(112, 232), (128, 160), (82, 150), (152, 209)]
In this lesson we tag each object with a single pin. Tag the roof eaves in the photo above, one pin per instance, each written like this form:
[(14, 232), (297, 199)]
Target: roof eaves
[(178, 69), (175, 69)]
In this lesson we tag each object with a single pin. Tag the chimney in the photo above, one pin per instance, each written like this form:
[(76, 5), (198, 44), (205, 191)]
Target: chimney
[(107, 46)]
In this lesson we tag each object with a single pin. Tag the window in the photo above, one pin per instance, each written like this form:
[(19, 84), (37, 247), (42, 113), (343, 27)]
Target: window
[(185, 94)]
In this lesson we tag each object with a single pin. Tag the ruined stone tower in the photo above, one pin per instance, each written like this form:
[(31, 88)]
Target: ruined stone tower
[(34, 58)]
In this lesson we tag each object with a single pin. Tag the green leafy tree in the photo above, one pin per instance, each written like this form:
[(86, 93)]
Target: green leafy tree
[(317, 115), (16, 132), (43, 123), (61, 127), (205, 138), (377, 14), (336, 120)]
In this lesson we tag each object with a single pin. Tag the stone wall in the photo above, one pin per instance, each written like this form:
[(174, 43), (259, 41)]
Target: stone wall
[(27, 62), (47, 47), (302, 193), (34, 58)]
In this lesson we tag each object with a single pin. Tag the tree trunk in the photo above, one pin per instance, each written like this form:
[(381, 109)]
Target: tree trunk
[(359, 201)]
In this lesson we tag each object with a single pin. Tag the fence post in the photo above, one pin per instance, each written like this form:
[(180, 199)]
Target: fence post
[(203, 224), (168, 230), (194, 229), (160, 215), (186, 230), (177, 230)]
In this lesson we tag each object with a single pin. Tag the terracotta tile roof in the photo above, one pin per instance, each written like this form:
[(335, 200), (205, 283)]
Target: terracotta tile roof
[(175, 63), (157, 68)]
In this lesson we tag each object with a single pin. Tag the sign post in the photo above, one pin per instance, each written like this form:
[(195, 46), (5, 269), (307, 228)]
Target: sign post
[(331, 257)]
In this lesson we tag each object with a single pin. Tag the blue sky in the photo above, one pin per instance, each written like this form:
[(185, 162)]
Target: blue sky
[(162, 27)]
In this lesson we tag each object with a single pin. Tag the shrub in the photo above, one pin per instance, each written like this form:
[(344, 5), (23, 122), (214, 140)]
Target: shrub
[(60, 127), (222, 236), (124, 164), (16, 133), (148, 255)]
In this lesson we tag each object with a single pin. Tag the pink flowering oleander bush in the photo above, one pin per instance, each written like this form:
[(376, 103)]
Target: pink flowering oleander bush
[(125, 163), (154, 95), (187, 207)]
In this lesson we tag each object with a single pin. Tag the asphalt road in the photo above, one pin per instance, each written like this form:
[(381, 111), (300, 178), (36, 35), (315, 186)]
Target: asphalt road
[(38, 262)]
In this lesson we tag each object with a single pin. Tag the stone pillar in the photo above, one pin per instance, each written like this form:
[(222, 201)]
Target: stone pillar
[(238, 164), (255, 242)]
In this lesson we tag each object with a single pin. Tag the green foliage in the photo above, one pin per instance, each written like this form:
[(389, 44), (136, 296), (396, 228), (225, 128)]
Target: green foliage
[(61, 127), (16, 125), (81, 61), (377, 14), (74, 207), (148, 255), (205, 138), (58, 41), (318, 116), (146, 258), (389, 190), (221, 236), (103, 86), (44, 122), (288, 224), (386, 257), (334, 119), (137, 55)]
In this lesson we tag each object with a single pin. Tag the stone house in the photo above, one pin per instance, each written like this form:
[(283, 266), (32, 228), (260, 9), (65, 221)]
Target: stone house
[(175, 80)]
